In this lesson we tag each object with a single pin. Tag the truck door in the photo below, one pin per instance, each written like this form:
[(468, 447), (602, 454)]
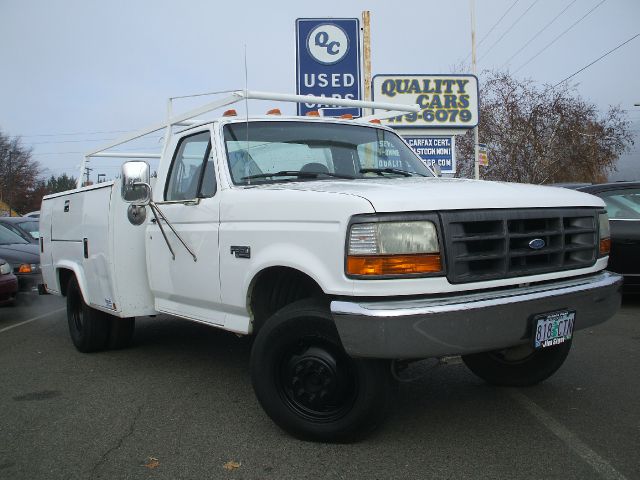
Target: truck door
[(190, 202)]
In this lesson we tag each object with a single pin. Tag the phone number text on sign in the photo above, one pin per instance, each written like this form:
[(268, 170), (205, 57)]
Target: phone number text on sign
[(446, 100)]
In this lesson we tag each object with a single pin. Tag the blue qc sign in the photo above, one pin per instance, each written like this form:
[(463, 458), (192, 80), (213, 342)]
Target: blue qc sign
[(328, 62)]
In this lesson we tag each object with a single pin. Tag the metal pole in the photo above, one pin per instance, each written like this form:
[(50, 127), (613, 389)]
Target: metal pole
[(9, 182), (476, 140), (366, 56)]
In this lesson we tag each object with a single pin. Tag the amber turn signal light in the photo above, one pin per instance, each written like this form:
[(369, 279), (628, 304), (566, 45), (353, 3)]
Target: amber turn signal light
[(605, 246), (24, 268), (393, 264)]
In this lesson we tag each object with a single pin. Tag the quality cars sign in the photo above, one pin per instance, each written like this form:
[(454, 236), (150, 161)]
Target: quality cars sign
[(447, 101)]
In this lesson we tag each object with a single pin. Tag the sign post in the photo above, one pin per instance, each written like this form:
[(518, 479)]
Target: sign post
[(328, 62)]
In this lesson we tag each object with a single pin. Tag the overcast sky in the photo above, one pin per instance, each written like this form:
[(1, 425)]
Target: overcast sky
[(71, 68)]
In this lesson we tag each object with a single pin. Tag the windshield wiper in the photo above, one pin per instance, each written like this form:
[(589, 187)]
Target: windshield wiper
[(396, 171), (297, 173)]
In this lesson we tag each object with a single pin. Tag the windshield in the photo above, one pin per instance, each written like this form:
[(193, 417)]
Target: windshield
[(623, 204), (7, 237), (32, 226), (296, 151)]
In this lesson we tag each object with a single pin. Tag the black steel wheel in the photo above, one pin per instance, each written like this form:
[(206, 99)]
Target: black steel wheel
[(518, 366), (307, 383), (89, 328)]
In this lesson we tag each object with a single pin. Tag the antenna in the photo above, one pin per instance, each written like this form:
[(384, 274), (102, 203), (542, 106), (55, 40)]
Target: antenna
[(246, 103)]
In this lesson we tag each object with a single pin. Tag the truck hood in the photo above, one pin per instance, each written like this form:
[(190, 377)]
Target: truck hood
[(420, 194)]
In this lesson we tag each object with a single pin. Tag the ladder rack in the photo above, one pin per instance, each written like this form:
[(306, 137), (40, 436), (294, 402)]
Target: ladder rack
[(187, 118)]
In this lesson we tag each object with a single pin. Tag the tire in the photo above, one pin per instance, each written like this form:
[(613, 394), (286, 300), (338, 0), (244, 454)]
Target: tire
[(307, 383), (121, 332), (89, 328), (519, 366)]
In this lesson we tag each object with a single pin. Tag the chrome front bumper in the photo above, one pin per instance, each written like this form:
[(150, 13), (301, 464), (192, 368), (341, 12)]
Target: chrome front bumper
[(471, 322)]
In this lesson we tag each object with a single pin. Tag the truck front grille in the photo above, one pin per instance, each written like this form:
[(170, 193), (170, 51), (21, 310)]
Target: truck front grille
[(494, 244)]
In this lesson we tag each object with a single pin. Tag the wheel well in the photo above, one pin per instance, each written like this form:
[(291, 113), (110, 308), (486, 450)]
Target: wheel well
[(64, 275), (276, 287)]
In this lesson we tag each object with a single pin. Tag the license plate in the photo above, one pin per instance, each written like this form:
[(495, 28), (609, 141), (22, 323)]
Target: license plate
[(553, 328)]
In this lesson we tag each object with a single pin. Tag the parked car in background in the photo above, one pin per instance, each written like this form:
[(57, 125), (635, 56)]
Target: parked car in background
[(8, 283), (26, 227), (623, 208), (24, 258)]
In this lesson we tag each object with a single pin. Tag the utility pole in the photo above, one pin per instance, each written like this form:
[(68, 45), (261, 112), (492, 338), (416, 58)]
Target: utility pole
[(476, 140), (9, 182), (87, 171)]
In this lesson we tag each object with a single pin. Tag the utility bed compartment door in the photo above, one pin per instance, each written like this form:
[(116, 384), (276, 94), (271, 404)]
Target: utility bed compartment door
[(66, 217)]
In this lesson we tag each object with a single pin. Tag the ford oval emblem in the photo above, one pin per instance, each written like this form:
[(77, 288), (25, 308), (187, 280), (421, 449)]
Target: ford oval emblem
[(537, 244)]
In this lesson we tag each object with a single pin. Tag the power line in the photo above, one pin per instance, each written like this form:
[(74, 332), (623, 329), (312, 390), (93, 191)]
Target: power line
[(35, 154), (493, 28), (597, 59), (539, 32), (509, 29), (81, 141), (559, 36), (72, 141), (74, 133)]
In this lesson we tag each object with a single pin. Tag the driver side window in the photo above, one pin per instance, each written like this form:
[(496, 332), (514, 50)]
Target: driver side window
[(192, 173)]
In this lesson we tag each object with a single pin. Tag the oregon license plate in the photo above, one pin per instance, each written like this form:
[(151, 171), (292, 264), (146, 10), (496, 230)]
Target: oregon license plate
[(553, 328)]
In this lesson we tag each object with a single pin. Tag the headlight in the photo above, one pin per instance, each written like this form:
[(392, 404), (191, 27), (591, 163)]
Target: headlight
[(605, 235), (393, 248), (5, 268)]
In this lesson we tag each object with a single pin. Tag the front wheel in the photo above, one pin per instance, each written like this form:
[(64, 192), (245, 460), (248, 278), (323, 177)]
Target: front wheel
[(518, 366), (307, 383)]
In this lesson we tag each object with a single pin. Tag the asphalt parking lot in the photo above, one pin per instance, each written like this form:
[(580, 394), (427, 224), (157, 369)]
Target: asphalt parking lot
[(179, 405)]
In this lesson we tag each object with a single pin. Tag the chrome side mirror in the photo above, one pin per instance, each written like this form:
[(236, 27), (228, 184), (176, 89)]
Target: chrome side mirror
[(135, 182), (437, 169)]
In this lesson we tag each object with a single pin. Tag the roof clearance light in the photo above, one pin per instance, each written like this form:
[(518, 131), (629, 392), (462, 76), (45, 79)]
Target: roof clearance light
[(230, 113), (313, 113), (375, 120), (347, 116), (274, 111)]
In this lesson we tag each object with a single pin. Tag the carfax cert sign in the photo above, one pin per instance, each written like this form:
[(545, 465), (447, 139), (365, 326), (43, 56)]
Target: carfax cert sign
[(447, 101), (433, 151)]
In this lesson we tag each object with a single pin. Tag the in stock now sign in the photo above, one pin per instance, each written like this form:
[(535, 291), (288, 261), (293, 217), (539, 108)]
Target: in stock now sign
[(328, 62)]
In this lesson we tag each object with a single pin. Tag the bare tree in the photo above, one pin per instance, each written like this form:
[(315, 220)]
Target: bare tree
[(543, 134), (18, 175)]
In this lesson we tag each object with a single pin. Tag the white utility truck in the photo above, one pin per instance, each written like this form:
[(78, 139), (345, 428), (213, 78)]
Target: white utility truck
[(331, 242)]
